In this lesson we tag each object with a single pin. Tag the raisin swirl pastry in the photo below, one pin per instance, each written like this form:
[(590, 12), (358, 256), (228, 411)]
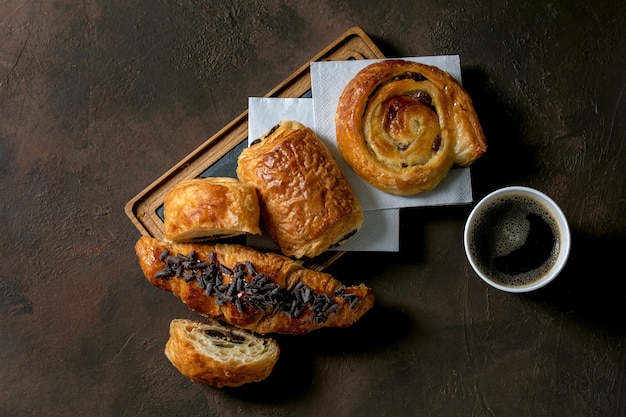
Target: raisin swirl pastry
[(402, 125), (260, 292)]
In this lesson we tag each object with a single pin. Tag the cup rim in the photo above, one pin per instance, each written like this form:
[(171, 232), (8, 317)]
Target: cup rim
[(565, 239)]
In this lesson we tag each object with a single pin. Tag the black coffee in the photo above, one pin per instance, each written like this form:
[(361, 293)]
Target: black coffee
[(515, 240)]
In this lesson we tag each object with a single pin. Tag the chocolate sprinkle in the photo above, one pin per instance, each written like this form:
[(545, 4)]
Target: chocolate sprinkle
[(246, 288)]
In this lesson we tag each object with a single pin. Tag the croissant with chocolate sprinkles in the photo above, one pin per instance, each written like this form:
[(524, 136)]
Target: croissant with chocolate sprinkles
[(261, 292)]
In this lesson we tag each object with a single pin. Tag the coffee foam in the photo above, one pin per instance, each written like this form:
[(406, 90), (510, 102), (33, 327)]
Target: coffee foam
[(501, 228)]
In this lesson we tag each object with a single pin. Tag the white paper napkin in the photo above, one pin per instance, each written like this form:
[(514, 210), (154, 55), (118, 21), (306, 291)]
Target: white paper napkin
[(265, 113), (328, 80), (380, 233), (381, 228)]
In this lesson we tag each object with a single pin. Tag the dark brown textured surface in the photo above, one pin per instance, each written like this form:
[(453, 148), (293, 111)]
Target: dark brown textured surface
[(97, 99)]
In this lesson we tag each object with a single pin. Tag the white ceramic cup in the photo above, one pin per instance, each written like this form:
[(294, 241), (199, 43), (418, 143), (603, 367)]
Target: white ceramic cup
[(483, 265)]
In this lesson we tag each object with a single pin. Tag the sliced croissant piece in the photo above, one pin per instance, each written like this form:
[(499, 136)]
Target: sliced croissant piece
[(219, 355)]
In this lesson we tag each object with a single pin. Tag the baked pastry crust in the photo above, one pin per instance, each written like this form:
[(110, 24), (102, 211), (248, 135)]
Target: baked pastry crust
[(401, 126), (209, 208), (261, 292), (307, 204), (219, 355)]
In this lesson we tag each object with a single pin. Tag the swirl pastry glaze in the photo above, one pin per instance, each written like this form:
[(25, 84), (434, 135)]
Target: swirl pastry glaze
[(402, 125)]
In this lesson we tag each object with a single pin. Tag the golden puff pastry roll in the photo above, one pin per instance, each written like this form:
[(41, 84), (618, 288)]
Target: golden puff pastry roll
[(209, 208), (261, 292), (219, 355), (307, 204), (402, 125)]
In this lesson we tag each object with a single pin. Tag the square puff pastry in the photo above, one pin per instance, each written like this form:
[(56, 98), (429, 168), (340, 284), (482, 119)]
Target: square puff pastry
[(307, 204), (208, 208)]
